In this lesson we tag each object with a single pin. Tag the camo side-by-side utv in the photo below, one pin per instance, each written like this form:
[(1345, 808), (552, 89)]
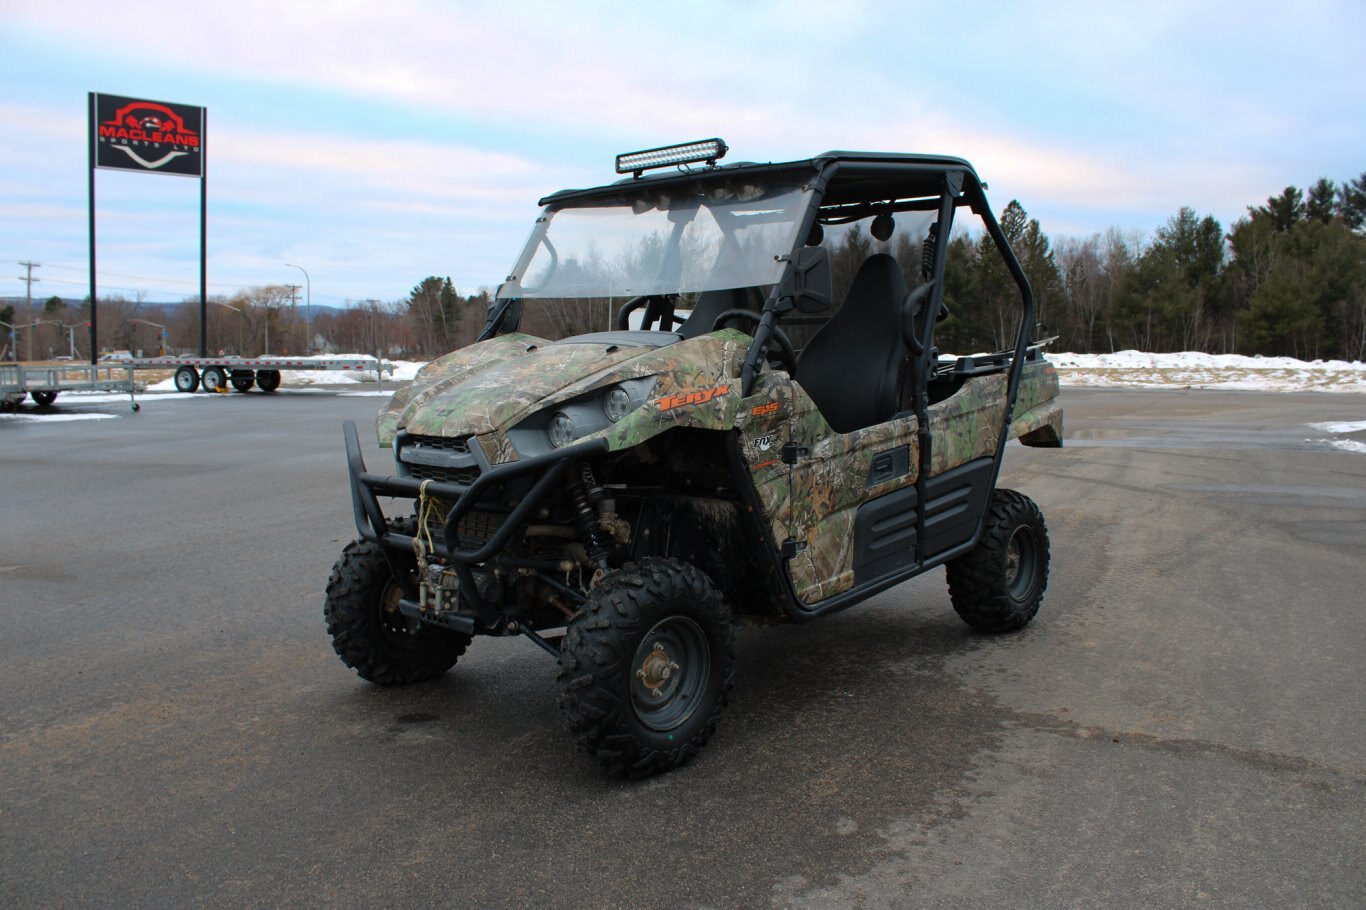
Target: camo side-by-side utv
[(703, 396)]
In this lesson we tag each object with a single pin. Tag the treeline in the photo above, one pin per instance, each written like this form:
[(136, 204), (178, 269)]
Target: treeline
[(1289, 278)]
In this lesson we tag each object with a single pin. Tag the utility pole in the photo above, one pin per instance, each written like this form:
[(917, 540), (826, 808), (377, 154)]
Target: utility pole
[(294, 290), (28, 280), (308, 307)]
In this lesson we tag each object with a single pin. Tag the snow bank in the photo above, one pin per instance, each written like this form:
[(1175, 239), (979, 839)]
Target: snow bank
[(1191, 369)]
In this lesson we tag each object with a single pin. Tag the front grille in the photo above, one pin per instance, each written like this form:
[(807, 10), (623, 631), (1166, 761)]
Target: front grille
[(445, 459), (459, 444), (462, 476)]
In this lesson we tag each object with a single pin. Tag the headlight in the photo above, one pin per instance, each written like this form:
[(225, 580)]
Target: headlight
[(569, 421), (561, 430), (617, 404)]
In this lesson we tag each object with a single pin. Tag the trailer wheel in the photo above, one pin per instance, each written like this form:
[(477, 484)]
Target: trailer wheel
[(213, 379), (242, 380), (267, 380), (42, 398), (186, 379)]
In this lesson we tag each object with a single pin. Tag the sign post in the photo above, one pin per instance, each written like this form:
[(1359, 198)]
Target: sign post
[(131, 134)]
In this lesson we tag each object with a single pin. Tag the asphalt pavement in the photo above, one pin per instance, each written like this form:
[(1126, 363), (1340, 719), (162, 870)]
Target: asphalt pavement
[(1182, 726)]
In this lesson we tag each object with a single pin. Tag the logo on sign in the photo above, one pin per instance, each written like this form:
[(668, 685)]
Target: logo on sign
[(150, 136)]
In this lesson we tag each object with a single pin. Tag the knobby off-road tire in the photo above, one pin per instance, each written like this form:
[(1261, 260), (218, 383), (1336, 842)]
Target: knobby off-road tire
[(999, 584), (369, 634), (646, 667)]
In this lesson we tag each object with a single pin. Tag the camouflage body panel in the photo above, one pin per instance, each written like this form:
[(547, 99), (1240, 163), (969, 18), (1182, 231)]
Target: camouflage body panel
[(830, 484), (445, 372), (967, 424), (1038, 416), (697, 384), (827, 487), (496, 448), (764, 427), (500, 394), (1040, 426), (487, 388)]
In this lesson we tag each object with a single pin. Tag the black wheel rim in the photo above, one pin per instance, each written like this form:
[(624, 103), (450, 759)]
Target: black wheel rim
[(1022, 555), (669, 673)]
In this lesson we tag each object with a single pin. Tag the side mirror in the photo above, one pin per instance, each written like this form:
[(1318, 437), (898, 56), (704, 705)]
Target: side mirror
[(808, 280)]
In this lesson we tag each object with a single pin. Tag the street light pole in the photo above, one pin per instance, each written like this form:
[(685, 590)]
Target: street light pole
[(308, 308), (240, 319)]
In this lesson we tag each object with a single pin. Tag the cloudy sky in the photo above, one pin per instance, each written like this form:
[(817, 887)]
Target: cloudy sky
[(374, 143)]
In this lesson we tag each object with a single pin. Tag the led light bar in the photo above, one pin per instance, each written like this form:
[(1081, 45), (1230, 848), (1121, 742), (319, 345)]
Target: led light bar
[(708, 150)]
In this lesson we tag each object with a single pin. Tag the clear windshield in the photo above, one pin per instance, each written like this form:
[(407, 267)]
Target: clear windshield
[(664, 240)]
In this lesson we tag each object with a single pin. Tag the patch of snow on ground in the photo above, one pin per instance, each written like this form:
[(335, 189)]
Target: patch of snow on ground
[(1354, 426), (1192, 369), (52, 417), (1351, 445)]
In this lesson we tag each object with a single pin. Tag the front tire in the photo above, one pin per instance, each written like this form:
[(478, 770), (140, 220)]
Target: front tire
[(646, 667), (369, 633), (998, 585)]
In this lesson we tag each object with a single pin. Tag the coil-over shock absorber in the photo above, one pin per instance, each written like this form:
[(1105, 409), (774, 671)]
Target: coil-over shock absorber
[(584, 493)]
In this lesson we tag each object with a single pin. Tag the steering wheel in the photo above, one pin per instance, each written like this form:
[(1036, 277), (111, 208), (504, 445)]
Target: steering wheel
[(787, 355)]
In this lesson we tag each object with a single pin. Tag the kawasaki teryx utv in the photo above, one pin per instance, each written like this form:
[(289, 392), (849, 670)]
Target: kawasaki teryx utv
[(705, 396)]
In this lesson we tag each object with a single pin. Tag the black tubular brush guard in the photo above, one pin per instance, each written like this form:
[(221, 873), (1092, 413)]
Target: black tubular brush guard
[(366, 488)]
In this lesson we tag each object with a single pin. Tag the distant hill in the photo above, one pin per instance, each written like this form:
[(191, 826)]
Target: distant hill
[(147, 306)]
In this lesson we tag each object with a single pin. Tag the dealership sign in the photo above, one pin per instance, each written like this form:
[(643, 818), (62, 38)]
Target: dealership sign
[(136, 135)]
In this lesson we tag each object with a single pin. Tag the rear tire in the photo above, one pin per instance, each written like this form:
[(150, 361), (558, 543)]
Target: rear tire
[(646, 667), (998, 586), (43, 399), (267, 380), (242, 380), (369, 633)]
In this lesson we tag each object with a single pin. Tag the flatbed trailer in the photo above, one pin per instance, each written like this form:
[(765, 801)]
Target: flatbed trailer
[(217, 374), (44, 383)]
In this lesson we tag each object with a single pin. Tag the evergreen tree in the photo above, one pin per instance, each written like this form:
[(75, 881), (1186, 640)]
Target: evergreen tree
[(1352, 203), (1321, 203), (1285, 210)]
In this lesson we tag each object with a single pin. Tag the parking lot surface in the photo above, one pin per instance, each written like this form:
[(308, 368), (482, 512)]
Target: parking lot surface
[(1182, 725)]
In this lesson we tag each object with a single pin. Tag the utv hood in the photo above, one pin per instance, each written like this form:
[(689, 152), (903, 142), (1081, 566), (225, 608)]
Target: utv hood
[(493, 385)]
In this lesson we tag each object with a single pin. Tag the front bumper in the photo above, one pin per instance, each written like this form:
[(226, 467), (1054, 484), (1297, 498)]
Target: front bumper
[(366, 488)]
